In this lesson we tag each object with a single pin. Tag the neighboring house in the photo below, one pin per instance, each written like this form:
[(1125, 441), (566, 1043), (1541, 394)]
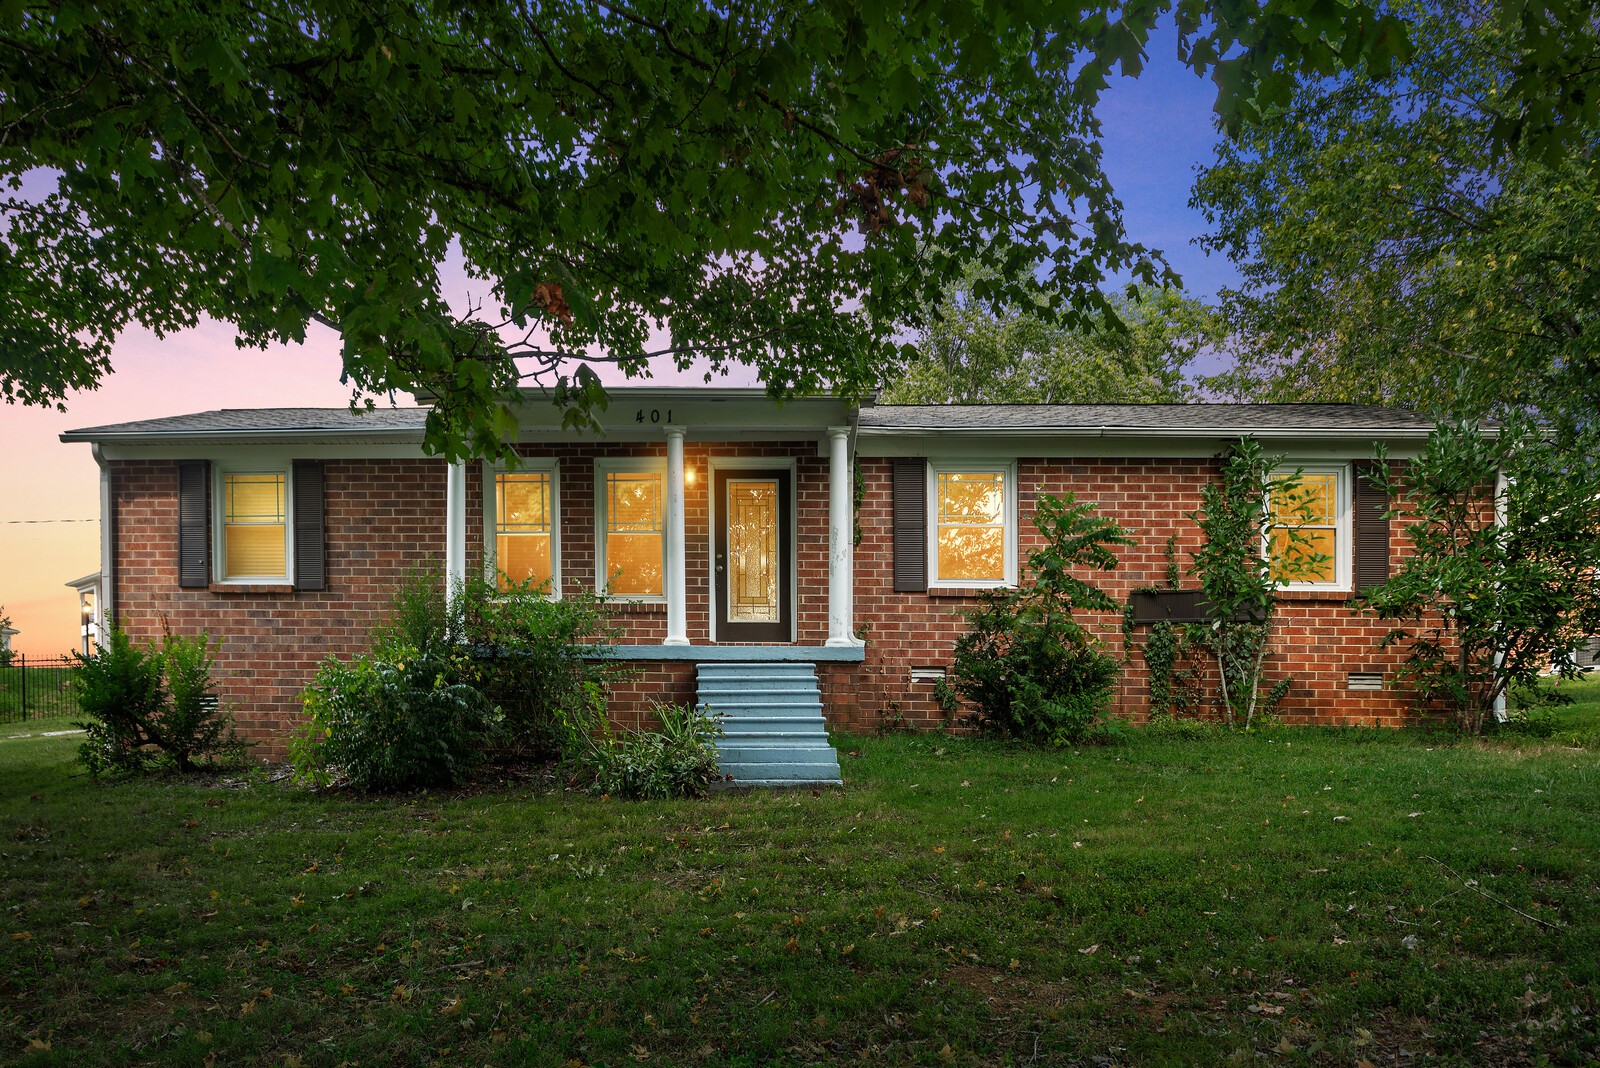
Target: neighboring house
[(6, 634), (91, 633), (732, 528)]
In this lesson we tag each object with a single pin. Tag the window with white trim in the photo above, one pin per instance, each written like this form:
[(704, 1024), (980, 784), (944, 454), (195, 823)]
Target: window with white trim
[(253, 525), (630, 527), (1318, 555), (522, 526), (972, 524)]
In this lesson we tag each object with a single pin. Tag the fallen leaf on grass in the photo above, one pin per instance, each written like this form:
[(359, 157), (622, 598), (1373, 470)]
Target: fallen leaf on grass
[(22, 936), (36, 1045), (1089, 951)]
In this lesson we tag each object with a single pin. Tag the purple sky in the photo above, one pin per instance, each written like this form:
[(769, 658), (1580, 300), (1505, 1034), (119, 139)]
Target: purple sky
[(1157, 128)]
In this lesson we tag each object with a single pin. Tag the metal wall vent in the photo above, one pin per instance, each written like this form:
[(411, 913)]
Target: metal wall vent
[(1366, 680), (927, 674)]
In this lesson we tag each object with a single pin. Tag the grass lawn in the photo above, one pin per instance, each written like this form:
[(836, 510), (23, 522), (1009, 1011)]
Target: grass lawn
[(1292, 897)]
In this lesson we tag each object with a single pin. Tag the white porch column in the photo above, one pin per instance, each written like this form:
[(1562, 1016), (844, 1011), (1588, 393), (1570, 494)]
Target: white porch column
[(676, 585), (455, 529), (841, 540)]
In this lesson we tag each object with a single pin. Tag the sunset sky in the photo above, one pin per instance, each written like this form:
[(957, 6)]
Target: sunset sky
[(1157, 129)]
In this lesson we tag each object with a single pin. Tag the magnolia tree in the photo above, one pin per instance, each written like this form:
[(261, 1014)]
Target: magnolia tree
[(1503, 579), (1254, 546)]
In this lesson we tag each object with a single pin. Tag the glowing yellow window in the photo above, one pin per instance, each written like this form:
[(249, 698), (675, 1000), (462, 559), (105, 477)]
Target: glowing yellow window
[(522, 528), (1311, 509), (633, 533), (254, 526), (971, 534)]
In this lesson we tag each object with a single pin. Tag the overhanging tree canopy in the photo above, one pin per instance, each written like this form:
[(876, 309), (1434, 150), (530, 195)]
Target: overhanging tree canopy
[(1393, 252), (783, 185)]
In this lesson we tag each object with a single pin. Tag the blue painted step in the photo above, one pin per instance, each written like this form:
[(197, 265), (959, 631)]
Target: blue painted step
[(773, 730)]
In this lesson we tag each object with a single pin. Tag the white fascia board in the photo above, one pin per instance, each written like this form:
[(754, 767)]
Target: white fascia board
[(1207, 432), (226, 449), (998, 446), (705, 415)]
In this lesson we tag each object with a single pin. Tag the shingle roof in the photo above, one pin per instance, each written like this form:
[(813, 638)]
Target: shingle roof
[(1150, 418), (389, 422)]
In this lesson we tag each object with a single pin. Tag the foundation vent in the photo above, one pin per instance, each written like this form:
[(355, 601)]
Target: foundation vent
[(927, 674), (1366, 680)]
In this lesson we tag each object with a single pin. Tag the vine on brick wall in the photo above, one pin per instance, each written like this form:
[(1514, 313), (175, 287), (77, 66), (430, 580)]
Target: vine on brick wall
[(1168, 651)]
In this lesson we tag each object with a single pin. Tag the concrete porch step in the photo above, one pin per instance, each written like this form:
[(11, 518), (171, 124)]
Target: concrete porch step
[(773, 729)]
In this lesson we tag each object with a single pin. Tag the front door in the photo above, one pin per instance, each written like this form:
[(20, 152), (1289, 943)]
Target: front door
[(751, 556)]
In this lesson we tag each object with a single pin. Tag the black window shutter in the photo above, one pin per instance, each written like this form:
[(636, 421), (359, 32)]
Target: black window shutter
[(194, 524), (910, 481), (310, 569), (1372, 532)]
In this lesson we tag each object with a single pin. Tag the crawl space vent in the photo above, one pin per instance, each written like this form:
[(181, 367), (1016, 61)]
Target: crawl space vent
[(927, 674), (1366, 680)]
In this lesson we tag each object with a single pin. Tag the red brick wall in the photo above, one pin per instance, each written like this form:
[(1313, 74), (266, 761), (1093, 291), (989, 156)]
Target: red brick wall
[(1318, 640), (387, 516), (383, 518)]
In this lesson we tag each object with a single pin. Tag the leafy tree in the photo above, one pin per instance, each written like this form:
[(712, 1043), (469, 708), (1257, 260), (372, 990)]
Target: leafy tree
[(970, 353), (1029, 668), (779, 185), (1239, 516), (1393, 252), (1503, 578)]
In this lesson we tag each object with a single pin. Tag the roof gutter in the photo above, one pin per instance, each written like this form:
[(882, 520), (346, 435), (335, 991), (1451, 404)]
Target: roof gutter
[(174, 437), (1149, 432)]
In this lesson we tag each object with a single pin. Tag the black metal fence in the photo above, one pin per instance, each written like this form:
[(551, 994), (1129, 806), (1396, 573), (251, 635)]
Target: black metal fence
[(34, 686)]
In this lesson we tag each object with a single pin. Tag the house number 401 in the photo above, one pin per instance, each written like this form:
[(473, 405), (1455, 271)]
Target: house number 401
[(654, 415)]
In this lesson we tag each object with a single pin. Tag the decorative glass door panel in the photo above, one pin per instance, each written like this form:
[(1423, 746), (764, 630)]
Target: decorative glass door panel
[(752, 556), (752, 550)]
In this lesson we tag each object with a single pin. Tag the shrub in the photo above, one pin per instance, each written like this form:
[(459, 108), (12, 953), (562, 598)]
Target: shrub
[(450, 681), (396, 719), (679, 760), (1026, 666), (531, 657), (148, 705)]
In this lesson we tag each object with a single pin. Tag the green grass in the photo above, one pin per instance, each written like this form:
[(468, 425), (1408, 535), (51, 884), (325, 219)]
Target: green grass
[(1287, 898)]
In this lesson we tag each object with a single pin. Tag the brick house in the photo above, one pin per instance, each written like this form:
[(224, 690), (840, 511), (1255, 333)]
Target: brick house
[(816, 538)]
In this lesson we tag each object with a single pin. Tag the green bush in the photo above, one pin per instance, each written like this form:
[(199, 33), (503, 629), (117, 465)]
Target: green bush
[(529, 659), (679, 760), (1029, 669), (147, 706), (394, 720), (449, 682), (1029, 679)]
